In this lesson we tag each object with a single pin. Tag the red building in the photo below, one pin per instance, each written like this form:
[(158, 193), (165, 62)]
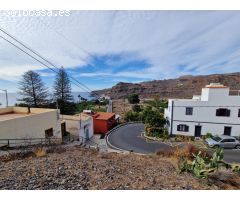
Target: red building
[(103, 122)]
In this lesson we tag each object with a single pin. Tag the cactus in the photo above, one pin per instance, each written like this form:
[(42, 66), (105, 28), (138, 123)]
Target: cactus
[(201, 167), (216, 158)]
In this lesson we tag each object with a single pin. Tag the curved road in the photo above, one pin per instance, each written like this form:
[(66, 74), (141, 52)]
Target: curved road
[(129, 137)]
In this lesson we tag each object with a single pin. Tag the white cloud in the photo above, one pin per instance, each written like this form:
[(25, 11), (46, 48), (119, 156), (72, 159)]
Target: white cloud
[(198, 40)]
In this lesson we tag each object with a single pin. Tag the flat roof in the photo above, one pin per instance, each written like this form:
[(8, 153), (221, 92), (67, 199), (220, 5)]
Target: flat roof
[(77, 117), (103, 115), (216, 86), (9, 116)]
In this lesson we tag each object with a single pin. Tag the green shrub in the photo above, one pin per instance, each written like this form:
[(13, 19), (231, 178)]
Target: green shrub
[(192, 138), (136, 108), (157, 132), (133, 99), (184, 138), (131, 116), (209, 135), (202, 166)]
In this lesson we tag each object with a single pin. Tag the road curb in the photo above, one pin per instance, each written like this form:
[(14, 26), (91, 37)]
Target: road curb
[(113, 130)]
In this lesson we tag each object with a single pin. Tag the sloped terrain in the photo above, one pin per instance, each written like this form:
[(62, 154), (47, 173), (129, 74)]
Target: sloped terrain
[(182, 87), (79, 168)]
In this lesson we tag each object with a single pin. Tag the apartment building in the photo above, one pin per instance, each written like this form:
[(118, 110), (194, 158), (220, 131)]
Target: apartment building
[(214, 111)]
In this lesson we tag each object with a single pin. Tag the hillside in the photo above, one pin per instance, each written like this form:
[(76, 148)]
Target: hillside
[(182, 87), (79, 168)]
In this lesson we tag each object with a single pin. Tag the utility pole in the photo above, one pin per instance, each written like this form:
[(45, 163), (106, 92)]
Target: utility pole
[(6, 93)]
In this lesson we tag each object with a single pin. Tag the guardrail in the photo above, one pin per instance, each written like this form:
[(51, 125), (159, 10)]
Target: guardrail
[(43, 141), (29, 142)]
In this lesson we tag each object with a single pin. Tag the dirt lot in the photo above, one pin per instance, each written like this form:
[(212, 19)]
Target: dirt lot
[(121, 106), (79, 168)]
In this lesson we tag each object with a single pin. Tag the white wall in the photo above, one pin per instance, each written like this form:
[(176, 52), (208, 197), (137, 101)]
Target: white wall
[(206, 128), (204, 112), (32, 126), (78, 127)]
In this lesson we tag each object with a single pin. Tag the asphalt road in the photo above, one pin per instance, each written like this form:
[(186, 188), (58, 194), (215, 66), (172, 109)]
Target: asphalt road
[(129, 137), (232, 155)]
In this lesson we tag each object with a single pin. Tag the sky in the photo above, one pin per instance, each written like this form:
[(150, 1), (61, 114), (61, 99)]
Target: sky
[(102, 48)]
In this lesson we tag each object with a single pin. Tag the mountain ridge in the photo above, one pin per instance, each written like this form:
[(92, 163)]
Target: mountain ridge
[(182, 87)]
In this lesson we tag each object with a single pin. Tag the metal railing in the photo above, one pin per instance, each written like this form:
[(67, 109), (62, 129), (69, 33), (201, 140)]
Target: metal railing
[(81, 139), (28, 142)]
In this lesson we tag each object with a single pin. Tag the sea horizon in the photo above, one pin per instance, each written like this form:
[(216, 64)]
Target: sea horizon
[(13, 96)]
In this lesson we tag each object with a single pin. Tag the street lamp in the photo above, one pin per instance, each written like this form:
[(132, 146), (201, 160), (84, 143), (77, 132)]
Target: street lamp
[(6, 96)]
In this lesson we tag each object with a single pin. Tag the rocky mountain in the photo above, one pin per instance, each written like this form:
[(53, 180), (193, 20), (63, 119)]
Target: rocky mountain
[(182, 87)]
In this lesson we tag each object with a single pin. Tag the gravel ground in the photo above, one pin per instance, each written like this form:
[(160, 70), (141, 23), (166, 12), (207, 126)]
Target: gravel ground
[(80, 168)]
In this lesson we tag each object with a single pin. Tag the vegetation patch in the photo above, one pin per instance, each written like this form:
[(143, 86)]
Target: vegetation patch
[(201, 166), (184, 138), (133, 99)]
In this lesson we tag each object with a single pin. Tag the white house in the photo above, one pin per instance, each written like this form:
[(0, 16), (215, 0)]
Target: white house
[(22, 126), (80, 125), (215, 111)]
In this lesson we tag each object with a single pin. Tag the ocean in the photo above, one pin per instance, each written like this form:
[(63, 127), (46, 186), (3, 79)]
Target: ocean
[(12, 98)]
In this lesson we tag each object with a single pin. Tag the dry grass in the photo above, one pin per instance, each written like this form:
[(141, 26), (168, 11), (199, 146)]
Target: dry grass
[(223, 179), (40, 152), (79, 168), (35, 152), (90, 169), (17, 156), (183, 152)]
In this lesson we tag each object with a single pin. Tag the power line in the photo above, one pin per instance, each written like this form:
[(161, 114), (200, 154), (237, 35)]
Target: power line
[(37, 60), (42, 57), (27, 53), (70, 41), (33, 51)]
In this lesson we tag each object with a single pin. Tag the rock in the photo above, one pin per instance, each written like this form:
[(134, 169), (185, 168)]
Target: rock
[(182, 87), (86, 169)]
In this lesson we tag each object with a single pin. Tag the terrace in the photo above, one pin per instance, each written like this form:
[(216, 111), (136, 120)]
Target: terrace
[(10, 116)]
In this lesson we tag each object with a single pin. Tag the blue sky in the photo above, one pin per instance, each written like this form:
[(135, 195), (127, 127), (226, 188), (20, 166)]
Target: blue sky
[(102, 48)]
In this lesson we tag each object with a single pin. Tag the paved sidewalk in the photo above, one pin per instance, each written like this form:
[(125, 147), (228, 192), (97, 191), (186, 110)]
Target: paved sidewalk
[(100, 143)]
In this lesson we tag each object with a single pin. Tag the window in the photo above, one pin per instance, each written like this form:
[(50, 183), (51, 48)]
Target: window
[(216, 138), (223, 112), (227, 130), (227, 140), (183, 128), (238, 112), (49, 133), (189, 111)]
